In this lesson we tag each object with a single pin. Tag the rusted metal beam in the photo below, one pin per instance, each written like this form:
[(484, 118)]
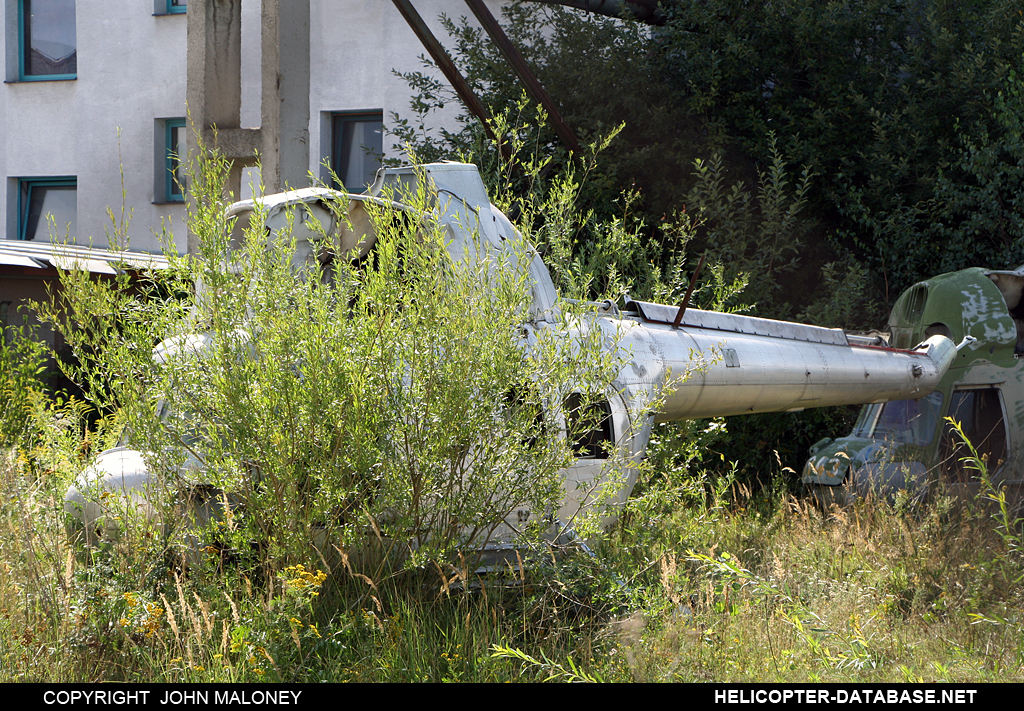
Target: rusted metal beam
[(451, 72), (526, 76), (689, 292), (646, 11)]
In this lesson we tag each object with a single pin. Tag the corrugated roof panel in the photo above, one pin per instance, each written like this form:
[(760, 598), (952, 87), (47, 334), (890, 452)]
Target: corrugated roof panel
[(17, 260), (40, 255), (69, 262)]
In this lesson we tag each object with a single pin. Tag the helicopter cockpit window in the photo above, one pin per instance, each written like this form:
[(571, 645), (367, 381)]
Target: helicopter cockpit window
[(590, 427), (980, 414), (183, 426), (905, 421)]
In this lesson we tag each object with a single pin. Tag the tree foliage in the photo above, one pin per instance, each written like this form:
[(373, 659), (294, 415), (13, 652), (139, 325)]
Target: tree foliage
[(905, 114), (905, 110)]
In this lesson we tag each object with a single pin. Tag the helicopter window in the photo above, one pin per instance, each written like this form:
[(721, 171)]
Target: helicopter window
[(939, 329), (906, 421), (184, 426), (589, 427), (523, 405), (980, 414)]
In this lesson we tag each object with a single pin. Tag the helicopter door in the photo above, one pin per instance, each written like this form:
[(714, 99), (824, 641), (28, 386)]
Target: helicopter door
[(980, 414), (596, 431)]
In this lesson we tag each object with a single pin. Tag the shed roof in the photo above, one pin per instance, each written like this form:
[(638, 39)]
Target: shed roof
[(43, 255)]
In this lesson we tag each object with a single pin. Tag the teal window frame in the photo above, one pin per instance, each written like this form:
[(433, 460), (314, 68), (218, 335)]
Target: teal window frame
[(23, 49), (173, 192), (173, 9), (25, 188)]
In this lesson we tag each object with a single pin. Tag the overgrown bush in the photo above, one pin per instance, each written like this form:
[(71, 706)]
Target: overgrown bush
[(905, 113), (392, 403), (678, 188), (22, 361)]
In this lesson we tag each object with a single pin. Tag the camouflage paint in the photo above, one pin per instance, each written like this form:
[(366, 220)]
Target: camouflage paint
[(973, 302)]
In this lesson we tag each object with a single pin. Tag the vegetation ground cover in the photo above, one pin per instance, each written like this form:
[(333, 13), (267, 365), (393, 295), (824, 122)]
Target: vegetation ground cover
[(696, 585)]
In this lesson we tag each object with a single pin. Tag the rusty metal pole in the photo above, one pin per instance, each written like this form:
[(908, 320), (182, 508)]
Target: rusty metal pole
[(646, 11), (519, 66), (447, 66), (689, 292)]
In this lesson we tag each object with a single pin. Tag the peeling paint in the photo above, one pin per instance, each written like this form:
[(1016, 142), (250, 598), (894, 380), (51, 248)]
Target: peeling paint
[(984, 388), (977, 311)]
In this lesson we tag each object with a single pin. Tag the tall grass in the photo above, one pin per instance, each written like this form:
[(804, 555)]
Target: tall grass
[(727, 588)]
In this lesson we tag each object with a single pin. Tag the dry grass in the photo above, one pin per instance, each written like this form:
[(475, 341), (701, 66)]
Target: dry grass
[(737, 589)]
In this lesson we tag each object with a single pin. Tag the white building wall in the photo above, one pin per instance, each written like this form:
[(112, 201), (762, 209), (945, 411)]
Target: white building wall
[(131, 73)]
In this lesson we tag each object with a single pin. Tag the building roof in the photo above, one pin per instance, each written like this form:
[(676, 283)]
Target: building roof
[(42, 255)]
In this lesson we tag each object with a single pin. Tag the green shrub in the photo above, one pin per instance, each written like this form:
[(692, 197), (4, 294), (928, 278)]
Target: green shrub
[(393, 403), (896, 106), (906, 113), (22, 362)]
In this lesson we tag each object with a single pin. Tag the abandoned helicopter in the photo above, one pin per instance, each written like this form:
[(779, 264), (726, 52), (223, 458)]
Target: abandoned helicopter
[(911, 445), (764, 365)]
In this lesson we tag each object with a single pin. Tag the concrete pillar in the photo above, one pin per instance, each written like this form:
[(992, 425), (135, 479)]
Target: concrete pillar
[(214, 90), (213, 86), (285, 109), (214, 82)]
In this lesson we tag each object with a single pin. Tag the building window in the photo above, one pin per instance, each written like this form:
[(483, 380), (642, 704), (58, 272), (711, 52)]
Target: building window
[(170, 7), (357, 148), (43, 202), (174, 167), (48, 40)]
